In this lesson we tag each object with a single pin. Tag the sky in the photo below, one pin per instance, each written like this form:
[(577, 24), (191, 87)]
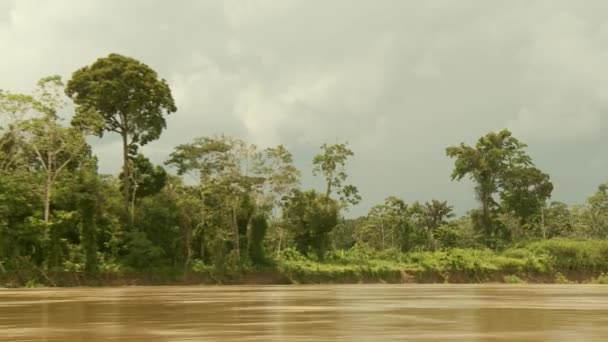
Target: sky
[(399, 80)]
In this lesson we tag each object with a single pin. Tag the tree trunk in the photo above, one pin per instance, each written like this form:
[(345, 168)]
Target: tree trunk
[(133, 204), (485, 217), (382, 229), (201, 224), (328, 190), (47, 197), (249, 238), (542, 222), (280, 241), (188, 245), (236, 234), (125, 170), (88, 209), (47, 188)]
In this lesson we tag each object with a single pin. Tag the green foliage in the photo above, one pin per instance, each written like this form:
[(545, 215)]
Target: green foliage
[(499, 166), (557, 220), (573, 255), (147, 179), (88, 199), (513, 279), (200, 267), (141, 253), (457, 234), (561, 279), (122, 95), (332, 165), (245, 211), (44, 146), (602, 279), (311, 217), (387, 225), (590, 220), (259, 227), (537, 261)]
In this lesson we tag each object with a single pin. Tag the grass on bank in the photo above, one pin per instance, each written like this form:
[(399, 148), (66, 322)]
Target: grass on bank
[(556, 260), (548, 261)]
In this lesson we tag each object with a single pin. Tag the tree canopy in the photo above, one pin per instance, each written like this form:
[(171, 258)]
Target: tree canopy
[(122, 95)]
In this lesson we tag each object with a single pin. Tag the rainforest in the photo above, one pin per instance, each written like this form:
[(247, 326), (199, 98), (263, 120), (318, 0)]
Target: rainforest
[(221, 210)]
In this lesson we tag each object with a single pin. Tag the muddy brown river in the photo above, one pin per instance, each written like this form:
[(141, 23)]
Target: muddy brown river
[(307, 313)]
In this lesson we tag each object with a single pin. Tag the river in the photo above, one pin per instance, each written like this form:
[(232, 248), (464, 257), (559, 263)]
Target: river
[(307, 313)]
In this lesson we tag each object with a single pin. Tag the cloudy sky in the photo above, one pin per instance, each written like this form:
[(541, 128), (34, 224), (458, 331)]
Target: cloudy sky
[(399, 80)]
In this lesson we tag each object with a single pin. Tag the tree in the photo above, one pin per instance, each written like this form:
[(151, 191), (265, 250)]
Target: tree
[(14, 108), (19, 238), (499, 166), (282, 177), (146, 180), (52, 146), (557, 220), (332, 165), (458, 233), (346, 234), (88, 199), (188, 206), (229, 173), (387, 224), (122, 95), (312, 217), (259, 227), (525, 191), (431, 216), (595, 214)]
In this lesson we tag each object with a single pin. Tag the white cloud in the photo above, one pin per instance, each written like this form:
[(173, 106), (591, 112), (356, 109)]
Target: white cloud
[(564, 68), (400, 80), (241, 14)]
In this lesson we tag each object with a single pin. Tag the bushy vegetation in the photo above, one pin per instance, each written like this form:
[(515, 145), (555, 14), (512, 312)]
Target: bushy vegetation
[(242, 209), (541, 261)]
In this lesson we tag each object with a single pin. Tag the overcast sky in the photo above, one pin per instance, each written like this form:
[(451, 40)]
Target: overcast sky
[(400, 80)]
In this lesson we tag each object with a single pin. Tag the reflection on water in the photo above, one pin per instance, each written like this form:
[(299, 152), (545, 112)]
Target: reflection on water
[(307, 313)]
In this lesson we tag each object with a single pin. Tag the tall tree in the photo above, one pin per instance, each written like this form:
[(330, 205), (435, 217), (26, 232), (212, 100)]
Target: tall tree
[(331, 164), (499, 166), (525, 191), (229, 176), (50, 146), (282, 177), (122, 95)]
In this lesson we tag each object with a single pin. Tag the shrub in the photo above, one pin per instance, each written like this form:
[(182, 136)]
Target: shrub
[(561, 279), (602, 279), (513, 279)]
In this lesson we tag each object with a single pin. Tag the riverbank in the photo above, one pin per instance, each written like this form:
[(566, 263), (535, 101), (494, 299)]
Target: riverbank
[(552, 261), (323, 274)]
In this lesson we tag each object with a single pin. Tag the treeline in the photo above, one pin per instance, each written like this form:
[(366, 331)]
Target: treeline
[(227, 204)]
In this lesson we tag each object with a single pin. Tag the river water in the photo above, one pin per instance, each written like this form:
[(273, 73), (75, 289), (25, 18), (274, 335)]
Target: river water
[(307, 313)]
